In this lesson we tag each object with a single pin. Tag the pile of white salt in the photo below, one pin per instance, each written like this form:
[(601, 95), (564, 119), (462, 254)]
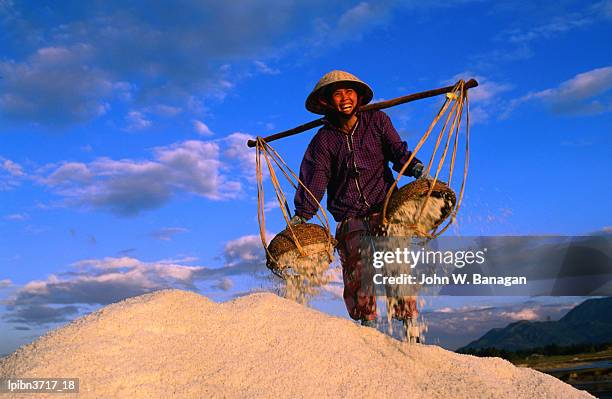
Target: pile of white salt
[(178, 344)]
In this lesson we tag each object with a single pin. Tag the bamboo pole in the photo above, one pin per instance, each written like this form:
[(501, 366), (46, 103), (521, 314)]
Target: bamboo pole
[(375, 106)]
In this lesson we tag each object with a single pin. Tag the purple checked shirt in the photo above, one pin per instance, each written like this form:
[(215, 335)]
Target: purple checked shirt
[(354, 168)]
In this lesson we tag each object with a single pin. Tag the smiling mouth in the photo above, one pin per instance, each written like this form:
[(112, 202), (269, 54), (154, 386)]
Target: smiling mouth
[(346, 107)]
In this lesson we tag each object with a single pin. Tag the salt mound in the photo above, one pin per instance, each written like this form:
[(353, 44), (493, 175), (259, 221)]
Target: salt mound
[(179, 344)]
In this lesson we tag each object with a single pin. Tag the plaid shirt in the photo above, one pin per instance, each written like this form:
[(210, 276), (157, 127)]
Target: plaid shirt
[(354, 168)]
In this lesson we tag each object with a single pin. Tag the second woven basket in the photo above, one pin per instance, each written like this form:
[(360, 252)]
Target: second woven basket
[(404, 211)]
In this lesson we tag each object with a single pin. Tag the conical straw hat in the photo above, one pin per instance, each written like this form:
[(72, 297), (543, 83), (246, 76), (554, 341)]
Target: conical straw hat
[(312, 102)]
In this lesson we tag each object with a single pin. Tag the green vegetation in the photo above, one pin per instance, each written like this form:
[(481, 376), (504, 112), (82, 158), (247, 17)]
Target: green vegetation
[(564, 363)]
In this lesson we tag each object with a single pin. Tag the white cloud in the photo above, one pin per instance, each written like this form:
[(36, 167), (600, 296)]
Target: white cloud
[(335, 285), (74, 71), (476, 320), (486, 99), (555, 27), (478, 115), (165, 110), (166, 233), (583, 85), (100, 281), (262, 67), (224, 284), (54, 86), (335, 290), (270, 205), (195, 168), (111, 279), (94, 282), (11, 174), (39, 314), (355, 16), (487, 90), (591, 13), (127, 187), (353, 23), (12, 168), (6, 283), (69, 172), (89, 60), (108, 263), (580, 95), (461, 309), (245, 254), (523, 314), (534, 23), (245, 249), (236, 149), (137, 121), (201, 128), (17, 217)]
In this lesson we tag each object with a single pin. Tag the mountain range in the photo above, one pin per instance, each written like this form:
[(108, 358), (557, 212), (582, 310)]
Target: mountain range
[(590, 322)]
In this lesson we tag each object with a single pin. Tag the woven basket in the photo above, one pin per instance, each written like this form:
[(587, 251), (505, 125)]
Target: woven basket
[(418, 189), (308, 234)]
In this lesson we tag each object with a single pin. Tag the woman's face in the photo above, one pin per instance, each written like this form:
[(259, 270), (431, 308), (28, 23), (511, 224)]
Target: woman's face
[(344, 99)]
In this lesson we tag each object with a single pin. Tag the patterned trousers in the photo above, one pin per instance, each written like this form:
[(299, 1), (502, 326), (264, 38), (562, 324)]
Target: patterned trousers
[(360, 301)]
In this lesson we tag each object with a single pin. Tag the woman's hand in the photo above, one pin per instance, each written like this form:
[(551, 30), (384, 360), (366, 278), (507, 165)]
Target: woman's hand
[(418, 171), (295, 220)]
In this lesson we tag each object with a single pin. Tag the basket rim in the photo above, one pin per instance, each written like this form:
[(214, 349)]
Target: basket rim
[(308, 234)]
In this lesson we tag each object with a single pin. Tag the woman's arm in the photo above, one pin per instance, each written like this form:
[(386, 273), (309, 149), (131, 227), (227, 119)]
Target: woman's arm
[(395, 149), (314, 174)]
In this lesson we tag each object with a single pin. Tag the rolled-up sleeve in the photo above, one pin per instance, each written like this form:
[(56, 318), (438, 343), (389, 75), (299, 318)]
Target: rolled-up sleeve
[(395, 149), (314, 174)]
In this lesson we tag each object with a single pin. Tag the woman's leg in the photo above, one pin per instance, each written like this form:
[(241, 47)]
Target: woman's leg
[(360, 302)]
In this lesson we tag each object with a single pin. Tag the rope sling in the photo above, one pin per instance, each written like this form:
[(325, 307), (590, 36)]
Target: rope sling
[(272, 159), (458, 97)]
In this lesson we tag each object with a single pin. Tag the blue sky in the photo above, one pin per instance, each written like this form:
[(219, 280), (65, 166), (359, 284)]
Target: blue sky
[(123, 165)]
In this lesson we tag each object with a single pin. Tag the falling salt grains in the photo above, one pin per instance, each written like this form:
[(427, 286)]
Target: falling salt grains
[(304, 276), (408, 220), (405, 220)]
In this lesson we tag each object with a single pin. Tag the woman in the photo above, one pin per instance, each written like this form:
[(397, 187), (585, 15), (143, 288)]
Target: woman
[(349, 158)]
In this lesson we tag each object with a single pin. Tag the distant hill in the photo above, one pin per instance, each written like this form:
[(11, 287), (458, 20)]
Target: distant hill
[(595, 310), (588, 323)]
